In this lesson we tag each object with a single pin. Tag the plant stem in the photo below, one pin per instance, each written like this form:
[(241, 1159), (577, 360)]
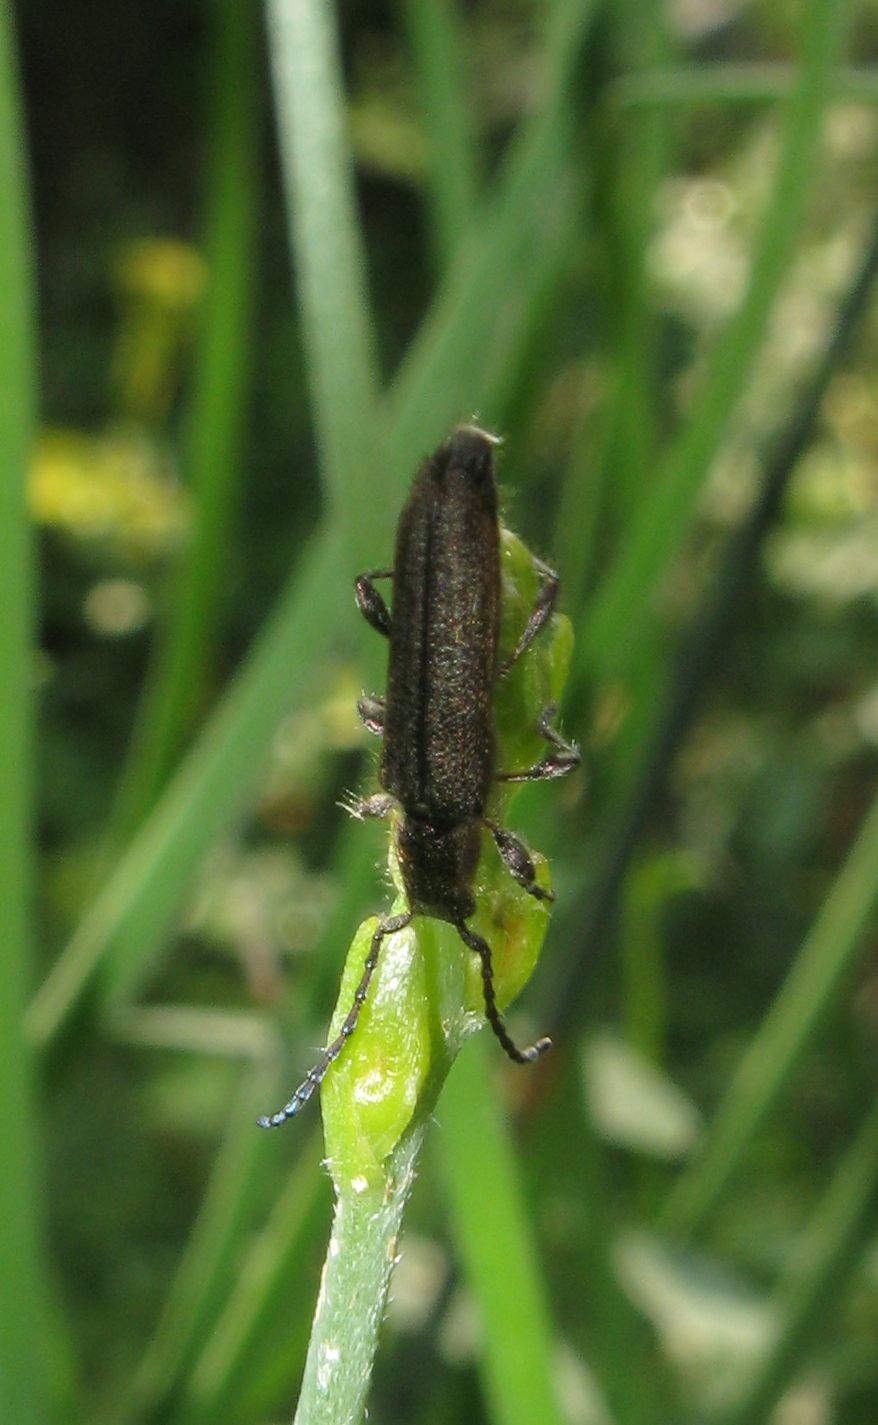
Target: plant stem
[(363, 1248)]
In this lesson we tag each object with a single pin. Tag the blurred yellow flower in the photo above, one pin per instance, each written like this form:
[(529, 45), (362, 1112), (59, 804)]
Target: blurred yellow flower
[(162, 271), (115, 490), (159, 283)]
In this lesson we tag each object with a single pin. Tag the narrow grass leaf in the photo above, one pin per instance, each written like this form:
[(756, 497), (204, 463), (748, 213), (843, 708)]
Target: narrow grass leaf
[(200, 1287), (440, 54), (443, 376), (258, 1339), (792, 1025), (214, 452), (135, 907), (25, 1334), (688, 85), (638, 152), (495, 1245), (328, 259), (834, 1244)]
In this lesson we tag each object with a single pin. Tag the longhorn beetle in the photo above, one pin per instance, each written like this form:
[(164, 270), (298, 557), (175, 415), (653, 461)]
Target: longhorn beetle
[(437, 718)]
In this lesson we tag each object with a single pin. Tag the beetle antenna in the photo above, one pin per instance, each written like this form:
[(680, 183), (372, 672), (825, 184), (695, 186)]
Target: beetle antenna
[(314, 1077)]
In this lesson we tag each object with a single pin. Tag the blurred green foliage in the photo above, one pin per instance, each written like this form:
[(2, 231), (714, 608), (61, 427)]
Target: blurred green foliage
[(276, 256)]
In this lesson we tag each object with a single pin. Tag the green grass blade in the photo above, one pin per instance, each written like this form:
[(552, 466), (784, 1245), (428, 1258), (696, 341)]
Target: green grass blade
[(609, 637), (328, 259), (336, 320), (439, 53), (619, 1352), (214, 453), (834, 1245), (639, 159), (259, 1338), (443, 377), (522, 347), (616, 450), (24, 1319), (791, 1026), (201, 1284), (685, 85), (495, 1245)]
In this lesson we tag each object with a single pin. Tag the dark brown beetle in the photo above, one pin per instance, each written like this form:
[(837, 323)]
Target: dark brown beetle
[(437, 719)]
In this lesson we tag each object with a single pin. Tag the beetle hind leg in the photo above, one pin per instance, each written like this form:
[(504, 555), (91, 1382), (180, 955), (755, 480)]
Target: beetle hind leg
[(518, 861), (492, 1013)]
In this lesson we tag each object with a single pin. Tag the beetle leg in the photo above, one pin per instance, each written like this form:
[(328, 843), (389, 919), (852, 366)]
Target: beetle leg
[(540, 614), (370, 602), (314, 1077), (492, 1013), (517, 860), (564, 757), (371, 710)]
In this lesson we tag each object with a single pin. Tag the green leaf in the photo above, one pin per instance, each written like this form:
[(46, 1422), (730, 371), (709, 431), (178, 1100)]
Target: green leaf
[(440, 53)]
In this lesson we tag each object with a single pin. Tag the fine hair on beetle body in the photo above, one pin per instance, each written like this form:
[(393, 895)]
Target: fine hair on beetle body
[(438, 761)]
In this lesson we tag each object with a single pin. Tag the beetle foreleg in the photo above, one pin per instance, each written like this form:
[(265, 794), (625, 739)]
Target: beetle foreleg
[(370, 602)]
